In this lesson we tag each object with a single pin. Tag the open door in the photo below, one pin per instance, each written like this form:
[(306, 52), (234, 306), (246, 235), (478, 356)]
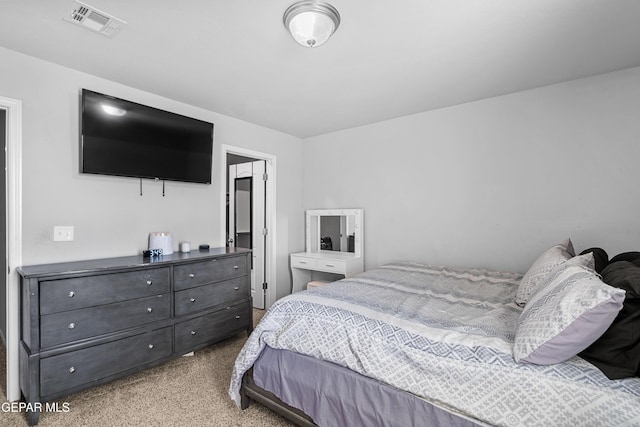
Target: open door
[(246, 223)]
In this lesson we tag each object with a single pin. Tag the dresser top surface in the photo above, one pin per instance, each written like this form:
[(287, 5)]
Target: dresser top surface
[(106, 264)]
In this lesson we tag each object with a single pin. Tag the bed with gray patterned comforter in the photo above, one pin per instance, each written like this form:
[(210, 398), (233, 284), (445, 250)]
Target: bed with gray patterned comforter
[(445, 335)]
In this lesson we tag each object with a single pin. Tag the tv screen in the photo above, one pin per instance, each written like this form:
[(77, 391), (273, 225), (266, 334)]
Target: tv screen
[(124, 138)]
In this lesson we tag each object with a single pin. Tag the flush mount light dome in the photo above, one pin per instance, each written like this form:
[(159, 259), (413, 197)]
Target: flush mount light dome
[(311, 23)]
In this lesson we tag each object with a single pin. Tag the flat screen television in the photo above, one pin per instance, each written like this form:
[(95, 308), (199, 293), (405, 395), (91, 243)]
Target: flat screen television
[(123, 138)]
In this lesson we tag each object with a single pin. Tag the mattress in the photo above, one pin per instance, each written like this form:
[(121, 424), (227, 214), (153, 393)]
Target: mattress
[(446, 336)]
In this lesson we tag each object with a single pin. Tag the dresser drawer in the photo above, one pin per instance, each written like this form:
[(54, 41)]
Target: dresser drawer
[(217, 294), (205, 272), (211, 327), (65, 371), (68, 326), (331, 266), (303, 262), (81, 292)]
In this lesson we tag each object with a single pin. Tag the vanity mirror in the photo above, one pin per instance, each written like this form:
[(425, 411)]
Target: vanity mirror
[(334, 230), (333, 248)]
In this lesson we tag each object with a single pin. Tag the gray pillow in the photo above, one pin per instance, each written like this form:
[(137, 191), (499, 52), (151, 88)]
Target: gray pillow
[(566, 315), (541, 267)]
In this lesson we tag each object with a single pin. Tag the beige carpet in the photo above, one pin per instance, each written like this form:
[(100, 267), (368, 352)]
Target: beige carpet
[(188, 391)]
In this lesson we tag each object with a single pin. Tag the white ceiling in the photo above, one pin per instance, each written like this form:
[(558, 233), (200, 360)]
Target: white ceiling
[(387, 59)]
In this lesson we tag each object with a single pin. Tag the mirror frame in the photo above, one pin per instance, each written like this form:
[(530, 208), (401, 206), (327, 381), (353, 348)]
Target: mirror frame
[(313, 229)]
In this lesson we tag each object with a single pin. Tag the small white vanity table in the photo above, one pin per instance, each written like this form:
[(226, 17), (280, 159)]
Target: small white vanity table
[(334, 243)]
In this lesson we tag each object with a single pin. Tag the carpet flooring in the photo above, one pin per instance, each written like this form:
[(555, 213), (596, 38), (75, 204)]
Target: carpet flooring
[(187, 391)]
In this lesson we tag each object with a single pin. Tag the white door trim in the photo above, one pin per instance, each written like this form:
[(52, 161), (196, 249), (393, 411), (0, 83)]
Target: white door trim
[(14, 240), (270, 220)]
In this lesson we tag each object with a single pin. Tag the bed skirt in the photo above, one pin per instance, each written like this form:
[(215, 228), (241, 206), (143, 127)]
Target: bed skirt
[(331, 395)]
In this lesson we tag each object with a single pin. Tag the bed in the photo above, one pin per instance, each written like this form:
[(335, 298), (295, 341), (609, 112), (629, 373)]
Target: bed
[(414, 344)]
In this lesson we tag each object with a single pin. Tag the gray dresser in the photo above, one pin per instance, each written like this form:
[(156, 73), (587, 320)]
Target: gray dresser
[(89, 322)]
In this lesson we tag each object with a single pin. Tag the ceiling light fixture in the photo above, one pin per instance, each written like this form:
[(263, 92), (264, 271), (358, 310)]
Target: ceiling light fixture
[(311, 23)]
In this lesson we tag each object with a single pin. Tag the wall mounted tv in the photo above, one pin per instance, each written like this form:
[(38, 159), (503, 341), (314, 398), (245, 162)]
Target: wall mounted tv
[(124, 138)]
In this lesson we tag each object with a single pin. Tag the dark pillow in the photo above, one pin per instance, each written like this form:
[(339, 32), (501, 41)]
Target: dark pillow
[(599, 256), (632, 257), (617, 352)]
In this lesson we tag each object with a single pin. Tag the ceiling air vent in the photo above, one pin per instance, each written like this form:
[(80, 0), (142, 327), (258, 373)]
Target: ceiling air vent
[(94, 19)]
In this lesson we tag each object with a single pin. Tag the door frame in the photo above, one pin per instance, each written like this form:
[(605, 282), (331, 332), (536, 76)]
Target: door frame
[(270, 220), (14, 241)]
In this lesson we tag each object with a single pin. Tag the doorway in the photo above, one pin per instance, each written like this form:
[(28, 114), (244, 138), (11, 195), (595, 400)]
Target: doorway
[(12, 224), (3, 228), (259, 181)]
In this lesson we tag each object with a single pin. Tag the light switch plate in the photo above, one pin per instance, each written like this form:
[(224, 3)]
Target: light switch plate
[(63, 233)]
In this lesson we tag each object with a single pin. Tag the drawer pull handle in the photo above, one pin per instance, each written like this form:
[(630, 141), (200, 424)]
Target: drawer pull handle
[(228, 308), (150, 346), (149, 282), (72, 326), (149, 309), (235, 267), (237, 288), (193, 332), (192, 300), (72, 294), (237, 316), (302, 262), (191, 275), (330, 265), (72, 370)]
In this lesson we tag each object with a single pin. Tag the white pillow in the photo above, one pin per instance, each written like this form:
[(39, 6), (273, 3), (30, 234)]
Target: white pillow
[(565, 316), (541, 267)]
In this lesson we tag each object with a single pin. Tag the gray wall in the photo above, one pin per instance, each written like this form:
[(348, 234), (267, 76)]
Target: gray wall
[(494, 182), (108, 213), (489, 183)]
